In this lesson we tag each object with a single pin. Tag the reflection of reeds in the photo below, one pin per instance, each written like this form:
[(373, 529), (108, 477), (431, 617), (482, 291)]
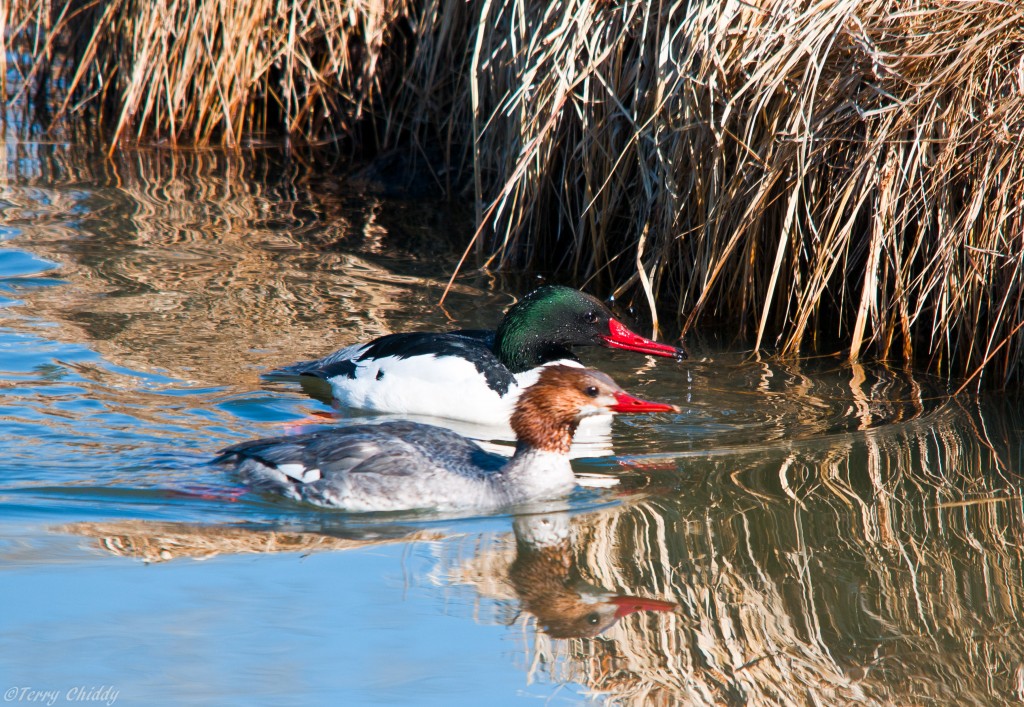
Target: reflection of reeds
[(885, 569), (179, 258), (847, 172), (159, 542)]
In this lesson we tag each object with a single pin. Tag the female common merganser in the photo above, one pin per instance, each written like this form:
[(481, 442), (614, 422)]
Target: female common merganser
[(473, 375), (404, 465)]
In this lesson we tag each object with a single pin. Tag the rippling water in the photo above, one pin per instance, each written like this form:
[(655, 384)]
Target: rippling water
[(831, 534)]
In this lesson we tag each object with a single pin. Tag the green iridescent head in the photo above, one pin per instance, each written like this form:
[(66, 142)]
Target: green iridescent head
[(544, 324)]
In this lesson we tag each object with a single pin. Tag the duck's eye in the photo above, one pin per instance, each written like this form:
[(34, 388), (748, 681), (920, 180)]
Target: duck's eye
[(593, 618), (591, 317), (591, 390)]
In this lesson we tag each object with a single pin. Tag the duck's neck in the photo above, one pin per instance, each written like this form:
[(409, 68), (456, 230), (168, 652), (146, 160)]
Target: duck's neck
[(536, 473), (541, 428), (521, 348)]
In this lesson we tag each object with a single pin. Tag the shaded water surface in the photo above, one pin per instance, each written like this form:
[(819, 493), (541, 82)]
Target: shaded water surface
[(830, 534)]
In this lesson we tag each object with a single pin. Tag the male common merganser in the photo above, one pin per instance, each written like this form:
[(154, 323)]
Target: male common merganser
[(404, 465), (473, 375)]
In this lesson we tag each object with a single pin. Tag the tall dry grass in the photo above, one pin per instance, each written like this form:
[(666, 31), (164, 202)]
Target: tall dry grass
[(844, 174)]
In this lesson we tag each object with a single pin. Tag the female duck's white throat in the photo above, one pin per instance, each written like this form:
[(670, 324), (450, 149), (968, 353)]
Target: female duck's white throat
[(536, 473)]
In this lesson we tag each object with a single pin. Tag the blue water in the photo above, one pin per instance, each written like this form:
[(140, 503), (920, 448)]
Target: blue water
[(830, 533)]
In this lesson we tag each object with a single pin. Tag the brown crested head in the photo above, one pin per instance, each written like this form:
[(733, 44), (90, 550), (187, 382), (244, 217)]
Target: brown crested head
[(549, 411)]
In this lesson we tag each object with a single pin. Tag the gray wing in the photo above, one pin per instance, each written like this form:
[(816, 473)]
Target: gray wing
[(281, 464), (458, 454), (399, 462)]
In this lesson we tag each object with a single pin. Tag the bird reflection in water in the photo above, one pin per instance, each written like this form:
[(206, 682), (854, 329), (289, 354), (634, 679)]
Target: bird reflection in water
[(545, 577), (543, 574)]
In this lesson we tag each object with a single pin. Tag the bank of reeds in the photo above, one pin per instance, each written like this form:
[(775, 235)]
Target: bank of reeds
[(844, 174)]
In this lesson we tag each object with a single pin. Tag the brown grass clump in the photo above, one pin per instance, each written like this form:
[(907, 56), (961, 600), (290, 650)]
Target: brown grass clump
[(844, 174)]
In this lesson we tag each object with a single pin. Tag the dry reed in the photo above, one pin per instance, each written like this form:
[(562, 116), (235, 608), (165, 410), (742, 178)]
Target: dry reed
[(844, 174)]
